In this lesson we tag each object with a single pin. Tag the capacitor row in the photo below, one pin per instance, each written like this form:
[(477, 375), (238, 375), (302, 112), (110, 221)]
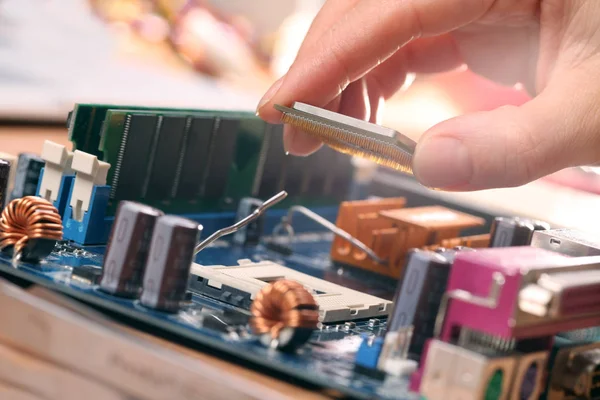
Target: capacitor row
[(149, 256)]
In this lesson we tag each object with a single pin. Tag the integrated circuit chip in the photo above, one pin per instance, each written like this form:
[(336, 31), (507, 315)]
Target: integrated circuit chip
[(237, 285)]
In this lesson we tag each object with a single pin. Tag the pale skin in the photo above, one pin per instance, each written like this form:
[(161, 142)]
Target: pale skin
[(358, 53)]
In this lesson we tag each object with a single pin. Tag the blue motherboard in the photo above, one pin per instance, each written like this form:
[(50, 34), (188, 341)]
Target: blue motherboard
[(402, 276), (327, 360)]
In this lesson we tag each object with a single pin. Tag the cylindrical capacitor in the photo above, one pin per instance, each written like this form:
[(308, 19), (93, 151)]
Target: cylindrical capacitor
[(4, 177), (510, 232), (169, 263), (29, 168), (127, 250), (419, 294)]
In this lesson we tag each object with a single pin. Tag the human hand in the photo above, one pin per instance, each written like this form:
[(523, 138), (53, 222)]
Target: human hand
[(358, 52)]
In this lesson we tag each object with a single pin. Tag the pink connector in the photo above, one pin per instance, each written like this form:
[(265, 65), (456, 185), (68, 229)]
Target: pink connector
[(519, 292)]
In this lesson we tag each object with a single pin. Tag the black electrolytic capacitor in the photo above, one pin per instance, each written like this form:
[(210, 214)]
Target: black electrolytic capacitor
[(29, 168), (169, 263), (418, 296), (127, 249), (4, 176), (510, 232)]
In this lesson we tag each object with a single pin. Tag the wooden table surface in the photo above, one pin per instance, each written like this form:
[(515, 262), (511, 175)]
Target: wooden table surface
[(19, 139)]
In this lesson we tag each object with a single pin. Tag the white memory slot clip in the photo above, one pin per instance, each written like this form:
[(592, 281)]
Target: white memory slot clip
[(90, 172), (58, 163)]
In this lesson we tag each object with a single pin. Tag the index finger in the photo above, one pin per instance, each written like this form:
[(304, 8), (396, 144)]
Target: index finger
[(361, 39), (327, 16)]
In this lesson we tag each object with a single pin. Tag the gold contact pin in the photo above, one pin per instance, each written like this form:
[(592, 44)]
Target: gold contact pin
[(348, 135)]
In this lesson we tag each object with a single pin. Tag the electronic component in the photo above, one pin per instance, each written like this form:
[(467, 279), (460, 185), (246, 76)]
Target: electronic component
[(472, 376), (325, 172), (85, 216), (418, 299), (87, 274), (575, 372), (391, 231), (284, 314), (4, 180), (510, 232), (394, 355), (456, 373), (585, 335), (13, 160), (519, 292), (501, 305), (473, 242), (539, 225), (90, 173), (352, 136), (567, 241), (359, 216), (251, 233), (127, 249), (460, 248), (27, 175), (561, 294), (530, 375), (57, 176), (30, 226), (187, 162), (367, 356), (238, 285), (168, 267), (435, 223), (286, 226), (241, 223)]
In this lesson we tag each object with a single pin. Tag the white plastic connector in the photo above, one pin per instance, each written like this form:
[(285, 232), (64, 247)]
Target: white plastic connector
[(399, 366), (58, 162), (12, 159), (90, 172)]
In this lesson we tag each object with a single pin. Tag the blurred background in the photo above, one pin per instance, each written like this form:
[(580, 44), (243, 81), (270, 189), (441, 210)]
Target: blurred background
[(220, 54)]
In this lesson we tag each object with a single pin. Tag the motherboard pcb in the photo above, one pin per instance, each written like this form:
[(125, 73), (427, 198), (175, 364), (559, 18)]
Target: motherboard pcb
[(327, 361), (195, 225)]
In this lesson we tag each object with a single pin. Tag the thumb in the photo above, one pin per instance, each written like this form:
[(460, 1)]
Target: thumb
[(511, 146)]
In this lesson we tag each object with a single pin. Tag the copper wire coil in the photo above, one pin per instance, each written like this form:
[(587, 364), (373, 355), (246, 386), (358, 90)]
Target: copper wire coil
[(29, 218), (283, 304)]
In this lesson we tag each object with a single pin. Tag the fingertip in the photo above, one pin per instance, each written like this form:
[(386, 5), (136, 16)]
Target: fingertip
[(265, 108), (298, 143), (442, 162), (269, 115)]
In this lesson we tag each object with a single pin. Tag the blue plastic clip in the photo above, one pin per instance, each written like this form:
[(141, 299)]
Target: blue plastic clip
[(369, 352), (64, 192), (95, 226)]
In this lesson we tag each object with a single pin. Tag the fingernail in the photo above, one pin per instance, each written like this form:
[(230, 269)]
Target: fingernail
[(443, 163), (269, 95)]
